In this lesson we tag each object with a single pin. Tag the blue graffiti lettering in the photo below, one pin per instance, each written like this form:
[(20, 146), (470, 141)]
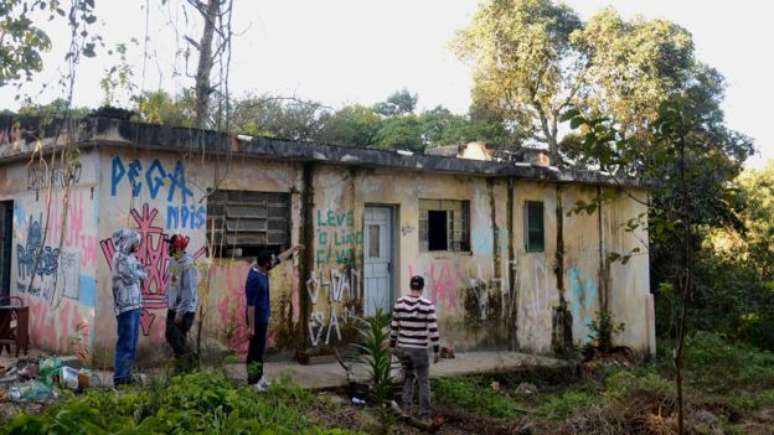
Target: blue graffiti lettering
[(178, 181), (156, 177), (117, 174), (27, 255), (135, 169), (155, 182), (192, 217)]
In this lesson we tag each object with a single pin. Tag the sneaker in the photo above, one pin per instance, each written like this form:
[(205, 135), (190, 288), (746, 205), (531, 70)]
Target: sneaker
[(264, 381), (259, 387)]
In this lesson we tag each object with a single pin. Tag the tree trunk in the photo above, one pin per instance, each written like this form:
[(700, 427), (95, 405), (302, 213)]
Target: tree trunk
[(685, 287), (202, 87)]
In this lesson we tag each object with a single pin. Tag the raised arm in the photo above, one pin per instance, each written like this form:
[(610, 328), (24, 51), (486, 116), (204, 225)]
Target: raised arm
[(289, 253)]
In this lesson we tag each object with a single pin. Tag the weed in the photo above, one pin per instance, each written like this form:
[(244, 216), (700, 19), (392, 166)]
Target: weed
[(202, 402), (603, 328), (376, 354), (568, 402), (468, 394)]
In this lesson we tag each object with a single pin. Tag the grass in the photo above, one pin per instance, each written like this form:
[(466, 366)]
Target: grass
[(202, 402), (471, 395), (719, 373)]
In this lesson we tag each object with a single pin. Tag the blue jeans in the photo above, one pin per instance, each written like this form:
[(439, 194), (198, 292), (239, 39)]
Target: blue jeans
[(126, 346)]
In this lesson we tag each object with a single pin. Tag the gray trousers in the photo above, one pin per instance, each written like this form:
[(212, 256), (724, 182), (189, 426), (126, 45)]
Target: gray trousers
[(416, 370)]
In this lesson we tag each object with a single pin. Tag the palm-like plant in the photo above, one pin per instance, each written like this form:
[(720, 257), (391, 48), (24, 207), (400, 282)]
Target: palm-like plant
[(375, 353)]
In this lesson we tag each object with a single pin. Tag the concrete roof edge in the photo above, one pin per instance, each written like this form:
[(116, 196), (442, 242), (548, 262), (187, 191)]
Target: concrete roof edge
[(117, 132)]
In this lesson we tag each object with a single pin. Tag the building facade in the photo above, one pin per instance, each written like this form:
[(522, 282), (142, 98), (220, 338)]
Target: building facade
[(507, 261)]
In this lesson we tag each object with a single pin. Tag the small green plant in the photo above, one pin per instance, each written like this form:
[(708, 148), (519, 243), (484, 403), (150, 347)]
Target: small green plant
[(471, 395), (562, 405), (375, 353), (603, 328)]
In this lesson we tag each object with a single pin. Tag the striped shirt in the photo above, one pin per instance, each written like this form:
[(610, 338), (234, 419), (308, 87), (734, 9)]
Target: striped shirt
[(414, 323)]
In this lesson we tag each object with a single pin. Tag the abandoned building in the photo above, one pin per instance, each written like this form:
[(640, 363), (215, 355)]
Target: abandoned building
[(506, 261)]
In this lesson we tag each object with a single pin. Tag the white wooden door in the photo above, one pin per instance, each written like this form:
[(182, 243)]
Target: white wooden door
[(377, 259)]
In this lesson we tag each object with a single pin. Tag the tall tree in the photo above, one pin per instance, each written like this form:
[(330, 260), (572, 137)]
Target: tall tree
[(22, 40), (399, 103), (533, 59)]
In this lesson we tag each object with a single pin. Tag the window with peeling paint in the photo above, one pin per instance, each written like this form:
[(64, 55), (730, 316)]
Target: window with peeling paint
[(243, 223), (444, 225), (534, 238)]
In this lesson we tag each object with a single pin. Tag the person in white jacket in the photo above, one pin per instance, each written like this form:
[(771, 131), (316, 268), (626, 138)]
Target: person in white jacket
[(127, 278)]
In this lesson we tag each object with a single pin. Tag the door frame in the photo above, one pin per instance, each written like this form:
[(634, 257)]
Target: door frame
[(394, 249), (5, 264)]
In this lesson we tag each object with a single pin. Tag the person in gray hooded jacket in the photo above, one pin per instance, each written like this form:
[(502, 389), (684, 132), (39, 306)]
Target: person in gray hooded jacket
[(127, 278)]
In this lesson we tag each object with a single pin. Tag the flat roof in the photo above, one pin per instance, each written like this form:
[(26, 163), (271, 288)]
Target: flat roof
[(19, 136)]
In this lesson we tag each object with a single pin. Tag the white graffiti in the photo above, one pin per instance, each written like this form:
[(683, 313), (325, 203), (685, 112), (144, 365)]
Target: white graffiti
[(342, 287)]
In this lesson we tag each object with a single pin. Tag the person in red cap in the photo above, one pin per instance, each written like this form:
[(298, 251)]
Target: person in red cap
[(182, 298)]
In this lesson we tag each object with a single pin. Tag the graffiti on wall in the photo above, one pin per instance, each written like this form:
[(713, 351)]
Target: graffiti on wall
[(155, 179), (32, 252), (343, 290), (39, 176), (75, 232), (443, 279), (336, 237), (484, 291), (583, 295), (152, 253)]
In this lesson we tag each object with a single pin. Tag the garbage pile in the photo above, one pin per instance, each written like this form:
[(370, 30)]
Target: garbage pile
[(40, 379)]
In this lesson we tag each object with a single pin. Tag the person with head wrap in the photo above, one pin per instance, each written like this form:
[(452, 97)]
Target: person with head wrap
[(182, 298), (127, 278)]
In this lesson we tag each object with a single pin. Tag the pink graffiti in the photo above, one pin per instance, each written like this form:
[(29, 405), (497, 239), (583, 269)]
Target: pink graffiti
[(54, 329), (152, 253), (232, 307), (443, 279), (72, 233)]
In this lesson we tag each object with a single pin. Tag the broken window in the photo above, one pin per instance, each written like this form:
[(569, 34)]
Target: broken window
[(243, 223), (444, 225), (533, 226)]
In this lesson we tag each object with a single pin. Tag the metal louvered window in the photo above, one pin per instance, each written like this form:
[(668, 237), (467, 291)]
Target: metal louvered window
[(534, 237), (243, 223), (444, 225)]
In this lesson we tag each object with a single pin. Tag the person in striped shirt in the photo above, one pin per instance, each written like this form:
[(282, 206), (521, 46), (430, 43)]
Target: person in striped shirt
[(413, 328)]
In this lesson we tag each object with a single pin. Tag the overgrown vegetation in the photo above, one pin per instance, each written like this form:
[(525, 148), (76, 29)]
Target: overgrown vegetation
[(203, 402), (728, 380)]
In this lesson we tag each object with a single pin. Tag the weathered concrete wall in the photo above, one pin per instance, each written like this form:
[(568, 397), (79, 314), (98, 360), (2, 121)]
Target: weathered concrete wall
[(59, 223), (584, 267), (464, 285), (164, 193)]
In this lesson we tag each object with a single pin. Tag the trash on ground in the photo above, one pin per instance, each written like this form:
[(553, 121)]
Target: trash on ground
[(33, 390), (358, 401)]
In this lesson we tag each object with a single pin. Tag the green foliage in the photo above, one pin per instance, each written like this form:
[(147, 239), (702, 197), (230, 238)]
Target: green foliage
[(158, 107), (200, 402), (374, 345), (603, 328), (722, 365), (562, 405), (622, 383), (471, 395), (399, 103)]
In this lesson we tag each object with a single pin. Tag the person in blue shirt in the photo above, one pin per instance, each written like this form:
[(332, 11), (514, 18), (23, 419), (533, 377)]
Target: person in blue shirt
[(259, 311)]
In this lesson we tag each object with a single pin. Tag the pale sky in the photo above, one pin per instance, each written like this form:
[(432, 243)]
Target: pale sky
[(360, 51)]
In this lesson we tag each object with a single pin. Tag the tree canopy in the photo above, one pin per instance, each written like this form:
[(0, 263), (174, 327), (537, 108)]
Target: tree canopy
[(533, 59)]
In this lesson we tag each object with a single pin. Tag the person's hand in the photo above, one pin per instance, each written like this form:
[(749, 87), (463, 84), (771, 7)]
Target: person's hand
[(250, 332), (179, 319), (436, 357), (298, 248)]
